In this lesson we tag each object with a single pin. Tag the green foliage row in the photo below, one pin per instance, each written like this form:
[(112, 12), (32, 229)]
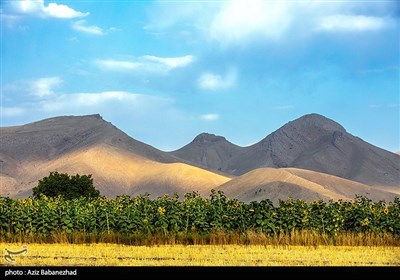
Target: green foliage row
[(171, 215)]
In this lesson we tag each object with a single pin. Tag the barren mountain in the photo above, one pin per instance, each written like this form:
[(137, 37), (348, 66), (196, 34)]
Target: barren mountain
[(208, 151), (120, 164), (311, 142), (89, 145), (280, 183), (50, 138)]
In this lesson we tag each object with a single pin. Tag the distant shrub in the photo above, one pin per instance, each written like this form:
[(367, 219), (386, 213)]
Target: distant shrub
[(69, 187)]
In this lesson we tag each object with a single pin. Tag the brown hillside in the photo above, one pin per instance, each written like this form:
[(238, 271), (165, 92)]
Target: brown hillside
[(115, 173), (282, 183)]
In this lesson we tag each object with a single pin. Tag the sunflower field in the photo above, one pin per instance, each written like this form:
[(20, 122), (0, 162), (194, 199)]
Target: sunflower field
[(41, 219)]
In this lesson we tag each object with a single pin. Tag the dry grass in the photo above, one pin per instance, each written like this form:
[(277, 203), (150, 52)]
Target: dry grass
[(103, 254), (295, 238)]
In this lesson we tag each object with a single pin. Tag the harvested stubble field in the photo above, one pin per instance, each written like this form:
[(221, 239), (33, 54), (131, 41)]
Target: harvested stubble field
[(107, 254)]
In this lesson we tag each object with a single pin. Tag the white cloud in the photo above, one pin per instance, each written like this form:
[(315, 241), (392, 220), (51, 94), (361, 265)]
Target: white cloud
[(29, 6), (44, 86), (47, 102), (91, 29), (38, 8), (147, 63), (167, 14), (62, 11), (241, 22), (352, 23), (62, 103), (209, 117), (238, 20), (211, 81), (93, 99), (170, 62), (116, 65)]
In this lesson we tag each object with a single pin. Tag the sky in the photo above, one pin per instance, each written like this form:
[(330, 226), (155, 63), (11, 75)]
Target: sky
[(165, 71)]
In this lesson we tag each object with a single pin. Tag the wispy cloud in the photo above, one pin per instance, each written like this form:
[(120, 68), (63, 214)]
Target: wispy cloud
[(211, 81), (8, 112), (147, 63), (91, 29), (239, 20), (353, 23), (99, 101), (116, 65), (209, 117), (10, 21), (170, 62), (120, 107), (378, 106), (44, 86), (41, 97), (38, 8)]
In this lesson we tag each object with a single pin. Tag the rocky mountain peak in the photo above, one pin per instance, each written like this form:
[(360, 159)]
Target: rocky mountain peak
[(207, 138), (315, 121)]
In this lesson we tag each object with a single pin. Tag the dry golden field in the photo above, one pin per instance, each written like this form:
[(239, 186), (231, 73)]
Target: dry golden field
[(105, 254)]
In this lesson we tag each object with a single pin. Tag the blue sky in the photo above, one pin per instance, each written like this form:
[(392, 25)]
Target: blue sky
[(165, 71)]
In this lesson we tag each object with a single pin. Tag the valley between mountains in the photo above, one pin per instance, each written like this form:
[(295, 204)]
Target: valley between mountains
[(309, 158)]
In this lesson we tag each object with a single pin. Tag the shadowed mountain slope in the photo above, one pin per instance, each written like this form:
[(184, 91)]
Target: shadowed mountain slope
[(208, 151), (311, 142)]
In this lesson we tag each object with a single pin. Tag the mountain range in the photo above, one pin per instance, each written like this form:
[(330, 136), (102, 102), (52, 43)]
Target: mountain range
[(309, 158)]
